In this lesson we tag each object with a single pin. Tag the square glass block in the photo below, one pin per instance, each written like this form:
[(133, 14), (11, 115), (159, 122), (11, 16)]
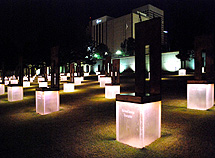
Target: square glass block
[(98, 72), (40, 79), (104, 80), (111, 91), (99, 76), (2, 89), (47, 102), (200, 96), (32, 79), (15, 93), (26, 83), (43, 84), (86, 74), (14, 81), (68, 87), (63, 78), (6, 82), (182, 72), (138, 125), (77, 80)]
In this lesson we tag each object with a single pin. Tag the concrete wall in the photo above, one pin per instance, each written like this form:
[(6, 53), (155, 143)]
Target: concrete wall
[(169, 63)]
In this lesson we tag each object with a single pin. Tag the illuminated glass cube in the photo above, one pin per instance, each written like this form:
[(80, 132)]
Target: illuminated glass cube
[(68, 74), (138, 125), (104, 80), (26, 83), (182, 72), (25, 78), (14, 81), (6, 82), (75, 74), (47, 101), (40, 79), (86, 74), (82, 78), (77, 80), (98, 73), (63, 78), (32, 79), (111, 91), (43, 84), (99, 76), (2, 89), (49, 78), (68, 87), (200, 96), (15, 93)]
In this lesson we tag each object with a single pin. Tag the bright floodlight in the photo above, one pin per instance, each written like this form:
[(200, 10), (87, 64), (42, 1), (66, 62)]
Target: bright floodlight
[(118, 52)]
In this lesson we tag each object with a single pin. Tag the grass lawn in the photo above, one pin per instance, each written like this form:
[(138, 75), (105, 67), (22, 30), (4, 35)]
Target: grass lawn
[(85, 126)]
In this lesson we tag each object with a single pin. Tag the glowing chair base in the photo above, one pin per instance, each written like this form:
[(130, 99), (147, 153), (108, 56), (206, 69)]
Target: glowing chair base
[(182, 72), (111, 91), (43, 84), (77, 80), (2, 89), (104, 80), (200, 96), (68, 87), (138, 124), (26, 83), (47, 100), (15, 93)]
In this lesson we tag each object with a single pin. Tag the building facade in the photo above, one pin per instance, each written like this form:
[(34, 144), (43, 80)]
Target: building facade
[(113, 31)]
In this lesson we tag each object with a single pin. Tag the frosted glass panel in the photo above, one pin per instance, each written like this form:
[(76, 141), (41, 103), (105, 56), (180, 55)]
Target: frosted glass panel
[(6, 82), (111, 91), (200, 96), (97, 72), (86, 74), (15, 93), (77, 80), (43, 84), (41, 79), (138, 125), (47, 102), (68, 87), (99, 76), (104, 80), (26, 83), (31, 79), (2, 89), (182, 72), (14, 81), (63, 78)]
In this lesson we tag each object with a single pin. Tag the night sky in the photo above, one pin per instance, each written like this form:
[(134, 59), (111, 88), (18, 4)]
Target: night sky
[(31, 27)]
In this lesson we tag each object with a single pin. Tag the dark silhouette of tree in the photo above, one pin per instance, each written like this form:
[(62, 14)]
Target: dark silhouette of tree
[(128, 46), (101, 51), (185, 55)]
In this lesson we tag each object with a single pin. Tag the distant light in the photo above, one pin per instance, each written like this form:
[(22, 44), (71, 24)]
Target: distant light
[(118, 52), (88, 49), (98, 21), (95, 55), (86, 57), (165, 31), (106, 53)]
